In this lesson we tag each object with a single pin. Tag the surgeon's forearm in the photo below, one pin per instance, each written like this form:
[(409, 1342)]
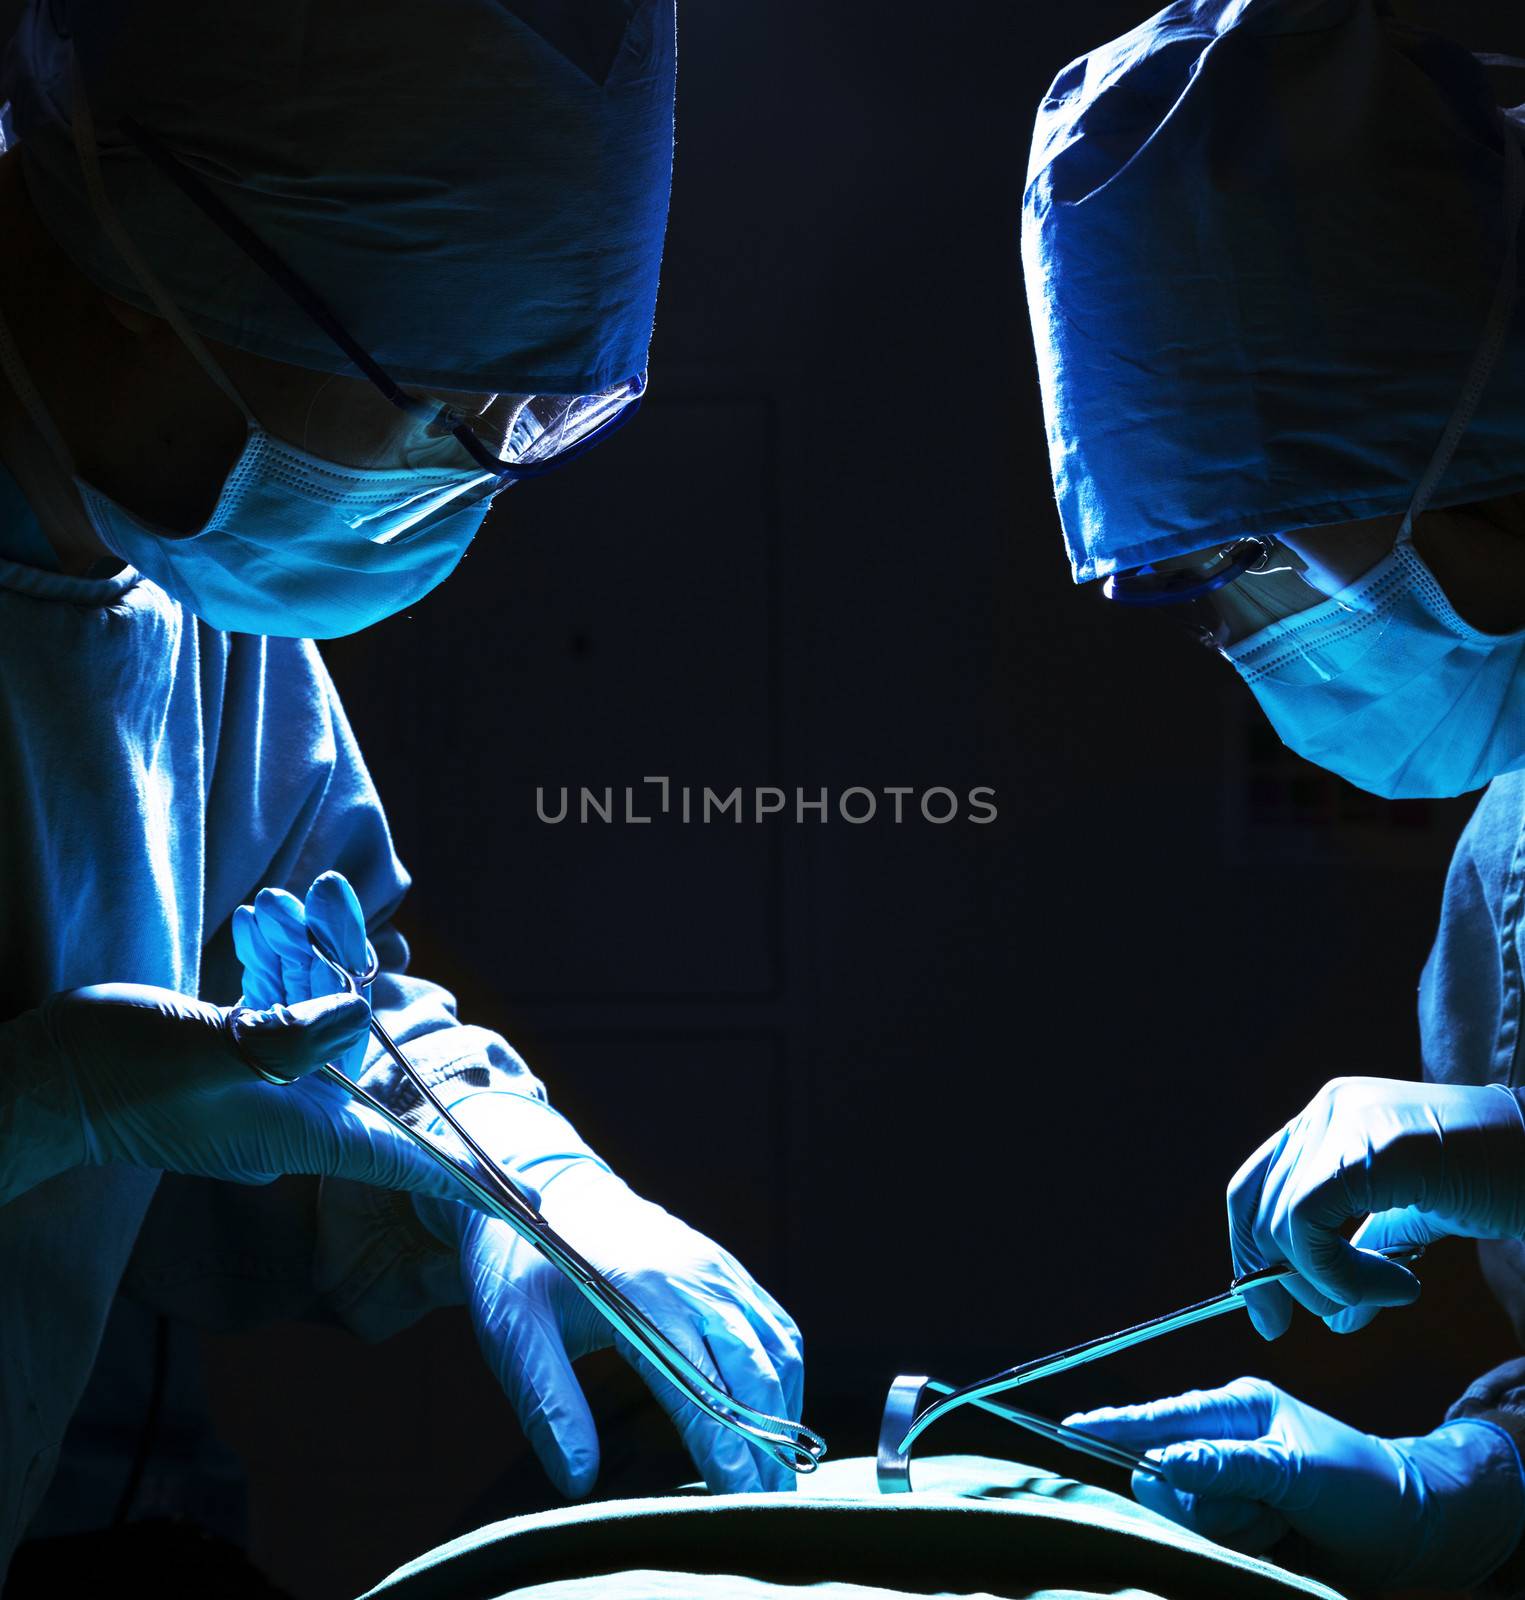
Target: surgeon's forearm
[(1499, 1397), (42, 1132), (383, 1259), (525, 1137), (479, 1076)]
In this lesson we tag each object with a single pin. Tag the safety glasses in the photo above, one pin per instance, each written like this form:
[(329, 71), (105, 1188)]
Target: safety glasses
[(1258, 596), (1194, 577), (548, 432)]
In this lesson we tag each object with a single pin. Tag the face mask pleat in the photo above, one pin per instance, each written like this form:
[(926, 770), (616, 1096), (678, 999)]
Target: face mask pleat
[(1432, 707)]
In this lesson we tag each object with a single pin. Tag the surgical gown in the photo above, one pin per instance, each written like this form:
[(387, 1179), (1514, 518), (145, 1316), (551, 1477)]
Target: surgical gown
[(1471, 999), (154, 774)]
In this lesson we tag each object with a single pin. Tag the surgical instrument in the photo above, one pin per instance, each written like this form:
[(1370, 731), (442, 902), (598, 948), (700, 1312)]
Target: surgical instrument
[(895, 1452), (791, 1443), (904, 1403)]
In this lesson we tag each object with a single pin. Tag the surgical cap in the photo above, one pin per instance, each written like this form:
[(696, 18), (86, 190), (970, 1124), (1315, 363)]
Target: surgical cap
[(477, 188), (1261, 240)]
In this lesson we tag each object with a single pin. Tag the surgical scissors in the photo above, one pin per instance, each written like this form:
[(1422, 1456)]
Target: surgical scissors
[(906, 1419), (790, 1443)]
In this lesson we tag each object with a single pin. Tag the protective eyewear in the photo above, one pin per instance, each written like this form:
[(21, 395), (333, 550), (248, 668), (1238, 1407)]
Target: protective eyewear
[(1230, 594)]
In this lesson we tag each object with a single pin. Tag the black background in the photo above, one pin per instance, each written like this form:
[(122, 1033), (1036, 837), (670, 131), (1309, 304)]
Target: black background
[(957, 1094)]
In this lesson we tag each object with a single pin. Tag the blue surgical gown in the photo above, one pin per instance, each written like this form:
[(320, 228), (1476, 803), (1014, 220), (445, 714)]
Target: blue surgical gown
[(1471, 1008), (154, 774)]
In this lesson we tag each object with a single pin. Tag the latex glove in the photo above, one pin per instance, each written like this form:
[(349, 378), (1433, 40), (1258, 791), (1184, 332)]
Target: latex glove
[(280, 964), (533, 1324), (1449, 1157), (1245, 1464), (129, 1073)]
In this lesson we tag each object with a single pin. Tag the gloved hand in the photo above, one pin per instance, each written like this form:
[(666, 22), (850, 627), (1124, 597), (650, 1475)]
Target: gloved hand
[(280, 965), (1245, 1463), (531, 1323), (1430, 1159), (128, 1073)]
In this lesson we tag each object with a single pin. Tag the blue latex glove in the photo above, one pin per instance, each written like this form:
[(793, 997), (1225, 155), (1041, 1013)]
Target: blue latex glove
[(279, 963), (1433, 1159), (1246, 1463), (149, 1077), (531, 1323)]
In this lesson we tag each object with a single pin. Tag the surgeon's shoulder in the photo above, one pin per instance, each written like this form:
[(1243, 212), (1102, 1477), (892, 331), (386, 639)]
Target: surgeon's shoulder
[(1492, 846)]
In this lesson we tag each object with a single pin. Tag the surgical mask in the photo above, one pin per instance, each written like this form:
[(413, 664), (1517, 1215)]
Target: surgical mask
[(1377, 679), (296, 546), (1386, 685), (299, 546)]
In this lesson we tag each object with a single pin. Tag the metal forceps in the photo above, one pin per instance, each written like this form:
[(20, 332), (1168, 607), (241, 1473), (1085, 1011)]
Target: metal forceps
[(491, 1190), (906, 1417)]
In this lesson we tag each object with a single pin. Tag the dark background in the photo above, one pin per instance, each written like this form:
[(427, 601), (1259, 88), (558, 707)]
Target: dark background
[(957, 1094)]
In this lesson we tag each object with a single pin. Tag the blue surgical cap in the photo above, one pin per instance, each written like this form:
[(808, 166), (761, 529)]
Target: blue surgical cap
[(478, 188), (1261, 239)]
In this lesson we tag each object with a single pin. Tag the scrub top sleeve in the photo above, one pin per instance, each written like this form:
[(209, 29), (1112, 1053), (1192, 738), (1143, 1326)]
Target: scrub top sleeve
[(1499, 1397), (42, 1129), (376, 1266), (317, 810)]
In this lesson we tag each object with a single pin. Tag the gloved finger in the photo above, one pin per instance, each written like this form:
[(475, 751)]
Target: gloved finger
[(284, 924), (1333, 1268), (521, 1339), (1244, 1200), (334, 914), (786, 1350), (262, 967), (1309, 1192), (1405, 1225), (1238, 1410), (1304, 1294), (1255, 1242), (268, 980), (288, 1042), (777, 1333), (1243, 1524), (1299, 1223), (727, 1463), (1234, 1469), (1270, 1308), (784, 1345), (751, 1375)]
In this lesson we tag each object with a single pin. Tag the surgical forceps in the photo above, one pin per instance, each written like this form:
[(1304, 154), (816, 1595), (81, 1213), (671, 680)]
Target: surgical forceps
[(790, 1443), (906, 1418)]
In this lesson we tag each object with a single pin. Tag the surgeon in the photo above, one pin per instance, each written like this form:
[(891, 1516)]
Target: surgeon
[(289, 296), (1272, 255)]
